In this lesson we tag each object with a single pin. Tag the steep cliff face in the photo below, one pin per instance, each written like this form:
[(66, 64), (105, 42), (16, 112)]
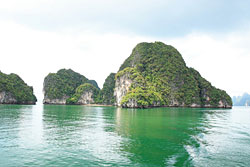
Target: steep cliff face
[(122, 86), (59, 87), (155, 75), (13, 90)]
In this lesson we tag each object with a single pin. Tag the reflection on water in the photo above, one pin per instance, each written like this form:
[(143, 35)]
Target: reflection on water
[(51, 135), (158, 136)]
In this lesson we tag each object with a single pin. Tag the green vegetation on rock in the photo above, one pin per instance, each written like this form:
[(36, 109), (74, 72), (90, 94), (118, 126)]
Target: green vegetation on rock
[(107, 92), (160, 77), (84, 88), (93, 82), (63, 84), (14, 87)]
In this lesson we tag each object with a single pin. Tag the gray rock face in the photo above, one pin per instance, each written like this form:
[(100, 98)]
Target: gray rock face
[(7, 98), (122, 85), (132, 103), (47, 100), (222, 104), (86, 98)]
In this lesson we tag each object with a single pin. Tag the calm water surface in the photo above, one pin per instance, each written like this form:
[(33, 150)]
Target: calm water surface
[(49, 135)]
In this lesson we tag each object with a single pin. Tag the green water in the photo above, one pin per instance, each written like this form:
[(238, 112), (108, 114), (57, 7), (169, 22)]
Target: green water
[(107, 136)]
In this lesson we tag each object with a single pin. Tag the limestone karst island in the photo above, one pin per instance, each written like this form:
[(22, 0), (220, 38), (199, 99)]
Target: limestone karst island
[(154, 75), (13, 90)]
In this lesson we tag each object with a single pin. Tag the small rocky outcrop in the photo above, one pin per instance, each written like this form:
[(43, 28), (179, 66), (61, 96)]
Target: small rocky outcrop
[(156, 75), (85, 94), (86, 98), (62, 86), (13, 90)]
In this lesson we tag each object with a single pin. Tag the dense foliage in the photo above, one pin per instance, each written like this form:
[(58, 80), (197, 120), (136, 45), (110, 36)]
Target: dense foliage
[(93, 82), (80, 90), (161, 78), (64, 83), (207, 91), (15, 86), (107, 92)]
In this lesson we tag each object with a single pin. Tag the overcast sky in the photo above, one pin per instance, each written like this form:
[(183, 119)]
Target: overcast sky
[(94, 37)]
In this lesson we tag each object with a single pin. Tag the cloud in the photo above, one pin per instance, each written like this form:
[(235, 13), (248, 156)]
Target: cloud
[(154, 18)]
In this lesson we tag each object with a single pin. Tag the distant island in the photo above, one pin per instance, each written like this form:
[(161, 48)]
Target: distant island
[(243, 100), (154, 75), (69, 87), (13, 90)]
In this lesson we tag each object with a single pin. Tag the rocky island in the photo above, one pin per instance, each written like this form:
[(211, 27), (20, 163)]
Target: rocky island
[(13, 90), (156, 75), (69, 87)]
